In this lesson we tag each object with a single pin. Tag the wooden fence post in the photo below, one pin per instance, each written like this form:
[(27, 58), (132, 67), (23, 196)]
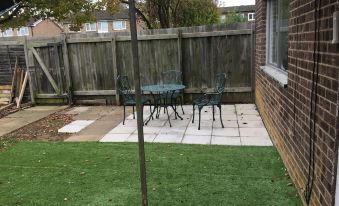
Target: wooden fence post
[(31, 88), (179, 42), (115, 68), (253, 62), (67, 70)]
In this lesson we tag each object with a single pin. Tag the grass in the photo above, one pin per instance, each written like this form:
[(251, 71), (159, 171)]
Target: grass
[(40, 173)]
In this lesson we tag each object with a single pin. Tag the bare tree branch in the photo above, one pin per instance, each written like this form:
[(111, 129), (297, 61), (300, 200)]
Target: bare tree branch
[(12, 15), (149, 25)]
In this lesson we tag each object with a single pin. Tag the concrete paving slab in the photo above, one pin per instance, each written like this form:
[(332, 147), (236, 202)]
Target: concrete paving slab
[(75, 126), (253, 132), (129, 123), (203, 123), (150, 130), (256, 141), (193, 139), (227, 124), (173, 130), (226, 132), (147, 138), (228, 117), (109, 117), (217, 140), (245, 106), (247, 111), (249, 124), (77, 110), (123, 130), (249, 117), (115, 138), (193, 130), (169, 138)]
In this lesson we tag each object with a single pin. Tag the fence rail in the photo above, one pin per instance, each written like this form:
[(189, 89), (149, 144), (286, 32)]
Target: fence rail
[(77, 66)]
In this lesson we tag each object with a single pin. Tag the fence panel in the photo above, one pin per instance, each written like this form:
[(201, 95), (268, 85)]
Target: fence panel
[(94, 60)]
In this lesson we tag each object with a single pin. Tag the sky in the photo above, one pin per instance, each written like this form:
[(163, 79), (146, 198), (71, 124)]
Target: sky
[(237, 2)]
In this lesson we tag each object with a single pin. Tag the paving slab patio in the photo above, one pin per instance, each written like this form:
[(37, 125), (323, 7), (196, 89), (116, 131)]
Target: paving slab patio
[(106, 119), (24, 117), (243, 127)]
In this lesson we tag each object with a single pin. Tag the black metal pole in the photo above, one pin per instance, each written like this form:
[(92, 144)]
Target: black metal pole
[(140, 120)]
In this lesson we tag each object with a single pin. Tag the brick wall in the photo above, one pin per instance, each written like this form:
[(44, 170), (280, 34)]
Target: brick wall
[(285, 111), (46, 28)]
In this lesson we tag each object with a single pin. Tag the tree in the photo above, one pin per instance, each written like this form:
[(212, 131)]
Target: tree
[(155, 13), (234, 17), (178, 13)]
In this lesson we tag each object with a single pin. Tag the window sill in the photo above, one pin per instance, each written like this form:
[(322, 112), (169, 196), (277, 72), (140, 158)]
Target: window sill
[(277, 74)]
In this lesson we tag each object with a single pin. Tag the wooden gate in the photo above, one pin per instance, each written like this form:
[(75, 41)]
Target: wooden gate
[(48, 70)]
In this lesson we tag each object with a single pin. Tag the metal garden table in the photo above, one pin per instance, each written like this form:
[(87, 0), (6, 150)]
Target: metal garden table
[(160, 96)]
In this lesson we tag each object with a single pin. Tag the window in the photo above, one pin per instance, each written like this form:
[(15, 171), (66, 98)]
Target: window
[(8, 32), (102, 26), (91, 26), (251, 16), (119, 25), (277, 33), (23, 31)]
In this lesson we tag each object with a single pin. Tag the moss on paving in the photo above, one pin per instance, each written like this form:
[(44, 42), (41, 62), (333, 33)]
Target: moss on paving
[(41, 173)]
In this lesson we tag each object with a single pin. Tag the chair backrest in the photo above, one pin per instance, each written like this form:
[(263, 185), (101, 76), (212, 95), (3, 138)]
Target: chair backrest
[(172, 77), (124, 88), (220, 83)]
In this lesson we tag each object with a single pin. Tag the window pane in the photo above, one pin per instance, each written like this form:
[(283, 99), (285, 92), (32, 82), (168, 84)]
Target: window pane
[(119, 25), (283, 25), (273, 32), (103, 26)]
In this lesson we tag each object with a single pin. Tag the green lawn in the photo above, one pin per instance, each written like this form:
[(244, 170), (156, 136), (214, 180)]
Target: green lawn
[(38, 173)]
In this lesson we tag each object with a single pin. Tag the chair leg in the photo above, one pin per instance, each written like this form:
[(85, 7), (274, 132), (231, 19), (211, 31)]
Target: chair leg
[(123, 122), (193, 113), (213, 112), (169, 120), (200, 108), (150, 109), (133, 113), (182, 109), (175, 108), (222, 124)]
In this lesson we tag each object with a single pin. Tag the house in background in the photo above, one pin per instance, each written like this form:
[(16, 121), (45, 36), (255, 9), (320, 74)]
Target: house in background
[(107, 22), (247, 12), (35, 28)]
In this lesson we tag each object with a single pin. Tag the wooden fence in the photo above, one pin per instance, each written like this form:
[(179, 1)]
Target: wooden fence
[(85, 66)]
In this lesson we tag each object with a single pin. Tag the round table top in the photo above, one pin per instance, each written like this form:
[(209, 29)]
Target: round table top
[(163, 87)]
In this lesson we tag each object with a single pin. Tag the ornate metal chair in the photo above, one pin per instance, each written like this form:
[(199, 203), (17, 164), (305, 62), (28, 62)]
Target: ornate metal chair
[(128, 98), (212, 98), (174, 77)]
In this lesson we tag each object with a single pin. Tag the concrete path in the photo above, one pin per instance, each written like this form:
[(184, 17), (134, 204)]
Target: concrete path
[(24, 117), (243, 126), (106, 118)]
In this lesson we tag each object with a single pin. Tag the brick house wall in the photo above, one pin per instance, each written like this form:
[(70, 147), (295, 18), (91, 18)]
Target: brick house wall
[(285, 110), (46, 28)]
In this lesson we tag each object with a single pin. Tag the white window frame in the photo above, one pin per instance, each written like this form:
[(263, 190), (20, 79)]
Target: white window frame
[(123, 25), (100, 23), (269, 32), (88, 26), (251, 16), (5, 33), (21, 29)]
